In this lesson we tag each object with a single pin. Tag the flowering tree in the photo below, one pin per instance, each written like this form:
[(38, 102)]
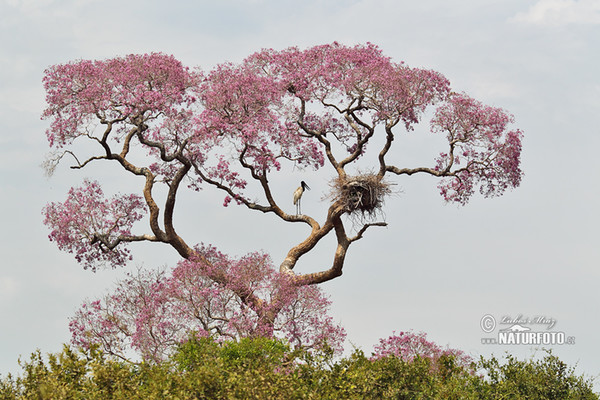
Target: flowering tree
[(153, 311), (233, 127), (408, 345)]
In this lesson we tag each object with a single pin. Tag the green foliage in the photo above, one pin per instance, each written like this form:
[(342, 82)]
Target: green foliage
[(263, 368), (544, 379), (359, 377), (259, 353)]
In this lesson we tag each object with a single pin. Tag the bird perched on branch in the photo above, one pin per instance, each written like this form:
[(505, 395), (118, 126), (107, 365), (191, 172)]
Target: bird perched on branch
[(298, 195)]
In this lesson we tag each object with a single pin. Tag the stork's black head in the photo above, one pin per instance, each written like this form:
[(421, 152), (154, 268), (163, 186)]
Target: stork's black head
[(304, 185)]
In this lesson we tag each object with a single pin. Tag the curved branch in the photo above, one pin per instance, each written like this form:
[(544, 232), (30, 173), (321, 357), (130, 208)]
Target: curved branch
[(86, 162), (161, 147), (97, 238), (343, 243), (361, 232), (338, 258), (321, 138), (318, 232), (356, 123), (173, 238), (386, 147), (128, 166)]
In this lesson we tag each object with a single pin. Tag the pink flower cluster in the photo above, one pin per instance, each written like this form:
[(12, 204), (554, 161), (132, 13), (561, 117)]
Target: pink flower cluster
[(334, 74), (482, 149), (244, 115), (152, 312), (115, 90), (408, 345), (242, 121), (257, 112), (90, 226)]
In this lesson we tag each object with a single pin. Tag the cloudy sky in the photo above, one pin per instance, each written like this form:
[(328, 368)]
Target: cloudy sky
[(437, 268)]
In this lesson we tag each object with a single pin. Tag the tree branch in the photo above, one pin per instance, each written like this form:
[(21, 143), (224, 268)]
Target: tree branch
[(411, 171), (321, 138), (353, 120), (172, 237), (338, 259), (360, 233), (317, 233), (386, 147), (97, 238)]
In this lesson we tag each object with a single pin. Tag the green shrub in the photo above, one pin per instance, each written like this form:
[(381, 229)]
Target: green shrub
[(266, 369), (544, 379)]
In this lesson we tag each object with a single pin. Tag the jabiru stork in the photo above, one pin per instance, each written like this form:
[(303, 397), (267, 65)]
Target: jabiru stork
[(298, 195)]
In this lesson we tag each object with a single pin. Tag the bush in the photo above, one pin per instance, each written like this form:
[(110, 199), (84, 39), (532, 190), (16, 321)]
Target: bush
[(544, 379), (263, 368)]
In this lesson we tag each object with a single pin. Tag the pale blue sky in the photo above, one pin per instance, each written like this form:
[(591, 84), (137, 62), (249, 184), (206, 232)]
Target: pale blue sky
[(436, 268)]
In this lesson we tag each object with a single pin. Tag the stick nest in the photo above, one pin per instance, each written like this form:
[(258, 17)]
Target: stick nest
[(361, 194)]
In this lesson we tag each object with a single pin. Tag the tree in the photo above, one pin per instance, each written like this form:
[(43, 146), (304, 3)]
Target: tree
[(234, 127), (408, 345), (154, 311)]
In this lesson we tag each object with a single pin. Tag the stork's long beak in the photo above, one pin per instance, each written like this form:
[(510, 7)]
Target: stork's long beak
[(306, 186)]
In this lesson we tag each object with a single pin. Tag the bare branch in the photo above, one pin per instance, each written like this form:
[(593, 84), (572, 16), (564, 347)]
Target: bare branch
[(53, 160), (110, 245), (317, 233), (338, 259), (411, 171), (360, 233), (386, 147), (86, 162)]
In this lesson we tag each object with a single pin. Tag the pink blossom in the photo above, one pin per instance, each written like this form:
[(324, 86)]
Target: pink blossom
[(408, 345), (114, 90), (153, 311), (480, 140), (90, 226)]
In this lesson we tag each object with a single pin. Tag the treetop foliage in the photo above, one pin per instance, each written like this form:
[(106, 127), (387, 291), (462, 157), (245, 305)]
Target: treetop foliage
[(264, 368), (231, 129)]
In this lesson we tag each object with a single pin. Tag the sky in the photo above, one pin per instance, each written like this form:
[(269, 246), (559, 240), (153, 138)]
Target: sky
[(436, 268)]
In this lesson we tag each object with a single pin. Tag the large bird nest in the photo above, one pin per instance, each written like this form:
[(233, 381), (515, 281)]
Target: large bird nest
[(361, 194)]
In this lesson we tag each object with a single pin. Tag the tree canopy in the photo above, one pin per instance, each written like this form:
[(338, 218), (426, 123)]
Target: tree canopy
[(237, 125)]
